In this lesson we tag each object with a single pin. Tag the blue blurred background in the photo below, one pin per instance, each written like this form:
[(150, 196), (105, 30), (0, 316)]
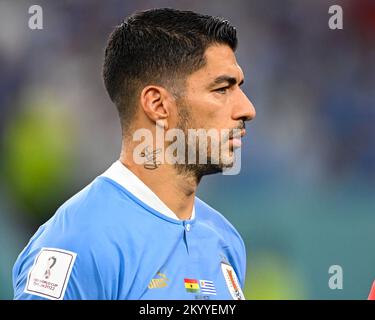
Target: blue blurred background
[(304, 199)]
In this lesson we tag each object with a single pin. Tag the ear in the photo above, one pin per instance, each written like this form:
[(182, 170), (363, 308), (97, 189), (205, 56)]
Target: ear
[(155, 103)]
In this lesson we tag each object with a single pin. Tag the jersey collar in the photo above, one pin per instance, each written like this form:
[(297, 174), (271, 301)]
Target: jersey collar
[(126, 178)]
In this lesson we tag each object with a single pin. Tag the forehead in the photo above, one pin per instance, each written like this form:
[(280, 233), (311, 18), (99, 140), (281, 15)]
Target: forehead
[(220, 60)]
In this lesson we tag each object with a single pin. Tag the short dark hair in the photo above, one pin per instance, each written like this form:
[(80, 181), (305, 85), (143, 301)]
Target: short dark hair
[(160, 47)]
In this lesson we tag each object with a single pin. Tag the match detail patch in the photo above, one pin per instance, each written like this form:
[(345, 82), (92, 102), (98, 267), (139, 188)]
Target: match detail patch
[(232, 281), (49, 276)]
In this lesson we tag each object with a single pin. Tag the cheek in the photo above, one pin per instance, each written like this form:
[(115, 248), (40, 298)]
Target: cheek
[(209, 111), (214, 105)]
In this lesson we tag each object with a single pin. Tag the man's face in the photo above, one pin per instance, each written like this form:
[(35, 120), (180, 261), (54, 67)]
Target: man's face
[(213, 99)]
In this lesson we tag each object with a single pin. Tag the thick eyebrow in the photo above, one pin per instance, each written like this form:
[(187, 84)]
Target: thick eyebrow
[(225, 79)]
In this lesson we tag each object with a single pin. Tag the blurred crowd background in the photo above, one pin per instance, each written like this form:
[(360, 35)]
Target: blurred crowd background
[(304, 199)]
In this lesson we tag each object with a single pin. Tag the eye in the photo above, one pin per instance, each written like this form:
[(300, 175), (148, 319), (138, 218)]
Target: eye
[(222, 90)]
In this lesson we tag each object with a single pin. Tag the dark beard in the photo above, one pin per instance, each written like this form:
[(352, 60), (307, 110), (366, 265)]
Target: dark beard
[(196, 170)]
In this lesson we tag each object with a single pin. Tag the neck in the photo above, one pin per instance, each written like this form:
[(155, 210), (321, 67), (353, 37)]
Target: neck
[(176, 190)]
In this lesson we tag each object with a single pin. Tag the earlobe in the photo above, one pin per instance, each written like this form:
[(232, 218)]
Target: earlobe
[(160, 123)]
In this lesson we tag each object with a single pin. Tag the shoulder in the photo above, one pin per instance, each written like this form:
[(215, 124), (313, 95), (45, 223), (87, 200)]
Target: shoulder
[(214, 218), (101, 207), (83, 237)]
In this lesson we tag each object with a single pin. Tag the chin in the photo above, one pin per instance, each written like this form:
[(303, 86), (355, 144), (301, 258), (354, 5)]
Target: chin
[(208, 169)]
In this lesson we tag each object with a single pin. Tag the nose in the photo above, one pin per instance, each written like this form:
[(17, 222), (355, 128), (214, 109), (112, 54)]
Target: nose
[(243, 108)]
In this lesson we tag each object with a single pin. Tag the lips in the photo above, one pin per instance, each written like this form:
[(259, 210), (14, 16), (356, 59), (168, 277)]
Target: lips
[(242, 134), (236, 140)]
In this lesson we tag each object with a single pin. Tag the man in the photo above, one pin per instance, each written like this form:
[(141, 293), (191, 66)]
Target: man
[(138, 231)]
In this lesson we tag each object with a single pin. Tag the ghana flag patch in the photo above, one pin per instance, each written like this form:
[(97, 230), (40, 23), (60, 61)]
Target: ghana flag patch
[(191, 285)]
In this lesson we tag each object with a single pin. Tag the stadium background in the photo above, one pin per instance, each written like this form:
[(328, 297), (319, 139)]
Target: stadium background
[(305, 197)]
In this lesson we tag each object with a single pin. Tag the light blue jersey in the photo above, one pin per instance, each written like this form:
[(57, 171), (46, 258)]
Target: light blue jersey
[(105, 243)]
